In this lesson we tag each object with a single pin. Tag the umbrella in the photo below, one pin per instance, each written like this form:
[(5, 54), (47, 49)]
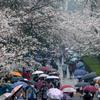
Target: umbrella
[(37, 72), (54, 73), (44, 75), (97, 78), (74, 59), (82, 84), (14, 73), (55, 93), (19, 83), (45, 68), (5, 96), (89, 76), (52, 77), (69, 89), (90, 88), (80, 72), (65, 86), (16, 89), (79, 64)]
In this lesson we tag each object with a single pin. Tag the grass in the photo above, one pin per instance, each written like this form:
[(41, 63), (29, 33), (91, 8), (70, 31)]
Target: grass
[(93, 63)]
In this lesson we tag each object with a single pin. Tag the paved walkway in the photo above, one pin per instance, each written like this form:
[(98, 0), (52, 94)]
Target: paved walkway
[(66, 80)]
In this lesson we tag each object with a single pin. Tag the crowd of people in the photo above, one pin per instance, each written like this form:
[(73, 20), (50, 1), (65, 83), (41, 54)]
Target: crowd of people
[(44, 82)]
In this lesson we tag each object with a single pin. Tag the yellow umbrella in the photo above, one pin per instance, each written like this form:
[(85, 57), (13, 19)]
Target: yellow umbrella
[(15, 73)]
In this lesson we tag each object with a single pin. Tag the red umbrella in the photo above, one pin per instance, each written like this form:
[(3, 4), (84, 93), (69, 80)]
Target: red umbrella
[(65, 86), (46, 68), (90, 88)]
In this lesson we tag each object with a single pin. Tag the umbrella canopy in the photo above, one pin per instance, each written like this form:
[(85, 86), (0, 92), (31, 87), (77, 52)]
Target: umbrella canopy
[(15, 73), (74, 59), (65, 86), (37, 72), (80, 72), (80, 64), (19, 83), (45, 68), (44, 75), (69, 89), (55, 93), (89, 76), (16, 89), (5, 96), (97, 78), (52, 77), (82, 84), (90, 88), (54, 73)]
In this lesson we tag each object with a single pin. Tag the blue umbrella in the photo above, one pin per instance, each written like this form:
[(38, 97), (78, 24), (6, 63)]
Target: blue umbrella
[(80, 64), (19, 83), (80, 72)]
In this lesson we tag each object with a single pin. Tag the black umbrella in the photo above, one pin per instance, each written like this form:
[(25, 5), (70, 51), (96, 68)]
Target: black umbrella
[(82, 84), (89, 76)]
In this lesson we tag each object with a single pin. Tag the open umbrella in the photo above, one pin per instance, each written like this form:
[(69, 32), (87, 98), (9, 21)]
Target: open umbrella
[(74, 59), (54, 73), (45, 68), (80, 64), (80, 72), (5, 96), (82, 84), (15, 73), (65, 86), (52, 77), (44, 75), (89, 76), (90, 88), (19, 83), (97, 78), (55, 93), (16, 89), (37, 72), (69, 89)]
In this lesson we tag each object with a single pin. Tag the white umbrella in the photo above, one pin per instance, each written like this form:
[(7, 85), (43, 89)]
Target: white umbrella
[(69, 89), (55, 93), (38, 72), (52, 77), (43, 75), (74, 59), (97, 78)]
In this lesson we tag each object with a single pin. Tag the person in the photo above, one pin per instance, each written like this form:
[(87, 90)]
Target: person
[(64, 69), (87, 96), (71, 69)]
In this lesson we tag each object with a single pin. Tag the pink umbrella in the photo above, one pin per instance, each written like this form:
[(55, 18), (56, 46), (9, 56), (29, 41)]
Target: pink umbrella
[(90, 88)]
